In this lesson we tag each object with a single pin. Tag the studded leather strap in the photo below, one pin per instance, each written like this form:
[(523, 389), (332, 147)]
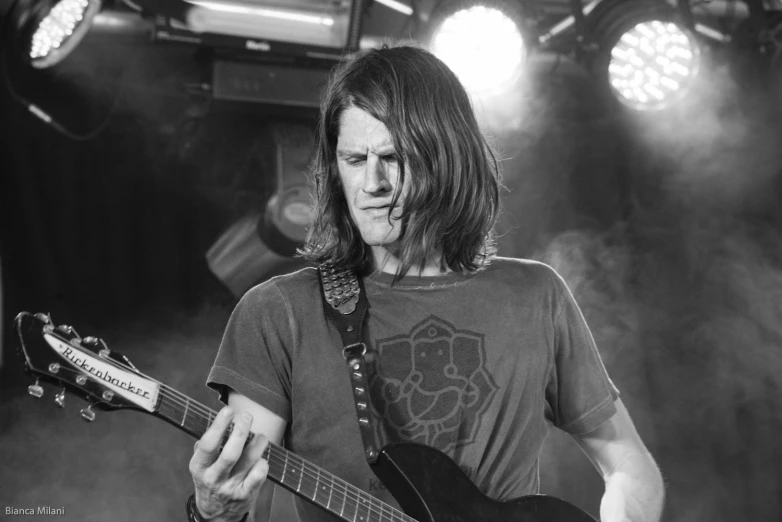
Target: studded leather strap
[(346, 307)]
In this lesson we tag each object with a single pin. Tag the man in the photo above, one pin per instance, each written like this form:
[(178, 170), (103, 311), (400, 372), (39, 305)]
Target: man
[(475, 355)]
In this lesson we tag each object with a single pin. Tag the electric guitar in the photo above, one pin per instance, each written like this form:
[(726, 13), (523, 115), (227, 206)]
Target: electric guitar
[(428, 485)]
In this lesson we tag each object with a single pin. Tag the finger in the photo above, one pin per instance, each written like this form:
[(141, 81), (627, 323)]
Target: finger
[(229, 456), (250, 456), (207, 449), (255, 477)]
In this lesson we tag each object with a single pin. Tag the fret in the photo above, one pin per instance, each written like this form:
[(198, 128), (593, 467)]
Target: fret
[(286, 468), (298, 485), (278, 460), (348, 505), (351, 509), (308, 485), (184, 415), (382, 512), (362, 509), (342, 497), (331, 492), (292, 473), (177, 409), (323, 489), (375, 511)]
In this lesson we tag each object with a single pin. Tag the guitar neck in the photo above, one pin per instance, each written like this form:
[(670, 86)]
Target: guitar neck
[(286, 468)]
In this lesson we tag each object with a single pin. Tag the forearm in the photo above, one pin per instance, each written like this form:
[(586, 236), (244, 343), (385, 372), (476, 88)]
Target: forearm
[(634, 492)]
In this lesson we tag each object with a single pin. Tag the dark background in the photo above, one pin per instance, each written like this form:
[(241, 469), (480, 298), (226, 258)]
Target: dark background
[(667, 228)]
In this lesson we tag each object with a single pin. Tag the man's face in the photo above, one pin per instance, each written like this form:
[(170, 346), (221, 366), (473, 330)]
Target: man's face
[(369, 170)]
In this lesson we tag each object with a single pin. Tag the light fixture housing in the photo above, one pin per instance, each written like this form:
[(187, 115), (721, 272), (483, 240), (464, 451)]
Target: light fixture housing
[(44, 32), (644, 56), (324, 26), (485, 43)]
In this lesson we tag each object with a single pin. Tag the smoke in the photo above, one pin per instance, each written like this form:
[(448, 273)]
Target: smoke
[(684, 297), (666, 228), (124, 465)]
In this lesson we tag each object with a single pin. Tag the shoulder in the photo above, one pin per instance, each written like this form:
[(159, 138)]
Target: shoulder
[(285, 287), (528, 272)]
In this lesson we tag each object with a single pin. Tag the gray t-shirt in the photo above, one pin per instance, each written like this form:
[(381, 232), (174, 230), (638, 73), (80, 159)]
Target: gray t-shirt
[(474, 365)]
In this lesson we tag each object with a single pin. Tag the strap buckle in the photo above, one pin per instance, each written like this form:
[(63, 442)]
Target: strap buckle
[(351, 351)]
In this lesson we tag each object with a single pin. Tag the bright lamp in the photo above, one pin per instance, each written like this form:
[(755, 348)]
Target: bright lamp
[(46, 31), (482, 44)]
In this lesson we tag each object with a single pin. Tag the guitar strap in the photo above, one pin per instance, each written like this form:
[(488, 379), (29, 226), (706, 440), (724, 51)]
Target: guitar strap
[(345, 303)]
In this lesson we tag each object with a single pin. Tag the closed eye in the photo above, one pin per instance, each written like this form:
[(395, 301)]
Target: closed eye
[(357, 160)]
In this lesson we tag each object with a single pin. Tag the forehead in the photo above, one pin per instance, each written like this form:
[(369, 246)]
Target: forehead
[(359, 131)]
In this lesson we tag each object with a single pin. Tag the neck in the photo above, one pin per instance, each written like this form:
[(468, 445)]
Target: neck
[(385, 260)]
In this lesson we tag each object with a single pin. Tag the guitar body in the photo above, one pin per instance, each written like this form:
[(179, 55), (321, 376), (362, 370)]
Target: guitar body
[(430, 487)]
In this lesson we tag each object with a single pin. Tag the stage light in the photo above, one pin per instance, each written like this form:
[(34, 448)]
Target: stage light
[(397, 6), (263, 243), (45, 32), (482, 44), (326, 26), (645, 56), (652, 65)]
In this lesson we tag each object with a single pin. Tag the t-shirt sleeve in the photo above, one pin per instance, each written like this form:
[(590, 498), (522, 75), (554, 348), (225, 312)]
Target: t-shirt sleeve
[(580, 396), (253, 358)]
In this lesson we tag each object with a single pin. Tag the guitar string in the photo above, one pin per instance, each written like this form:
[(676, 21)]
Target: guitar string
[(177, 396), (310, 479), (174, 395), (375, 506)]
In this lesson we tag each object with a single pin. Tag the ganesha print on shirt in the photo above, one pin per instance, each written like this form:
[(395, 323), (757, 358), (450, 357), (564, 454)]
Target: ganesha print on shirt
[(431, 385)]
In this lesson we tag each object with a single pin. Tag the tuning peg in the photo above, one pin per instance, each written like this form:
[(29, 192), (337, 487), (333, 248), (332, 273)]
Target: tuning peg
[(44, 318), (36, 390), (65, 329), (60, 398), (87, 414)]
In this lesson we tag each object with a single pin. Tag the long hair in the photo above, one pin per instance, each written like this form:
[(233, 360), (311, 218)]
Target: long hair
[(452, 172)]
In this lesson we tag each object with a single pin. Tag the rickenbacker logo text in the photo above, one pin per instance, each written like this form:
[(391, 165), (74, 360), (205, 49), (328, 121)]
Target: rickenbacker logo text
[(134, 388), (106, 376)]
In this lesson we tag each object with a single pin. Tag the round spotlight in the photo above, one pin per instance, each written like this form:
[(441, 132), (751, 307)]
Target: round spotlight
[(652, 65), (646, 58), (482, 45), (47, 31)]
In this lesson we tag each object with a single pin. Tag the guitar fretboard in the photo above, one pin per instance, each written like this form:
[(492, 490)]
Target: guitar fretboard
[(286, 468)]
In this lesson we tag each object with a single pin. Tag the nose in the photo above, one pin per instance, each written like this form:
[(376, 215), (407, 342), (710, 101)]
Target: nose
[(376, 179)]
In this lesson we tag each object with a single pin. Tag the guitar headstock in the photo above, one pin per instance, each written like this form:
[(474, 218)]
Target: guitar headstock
[(84, 366)]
